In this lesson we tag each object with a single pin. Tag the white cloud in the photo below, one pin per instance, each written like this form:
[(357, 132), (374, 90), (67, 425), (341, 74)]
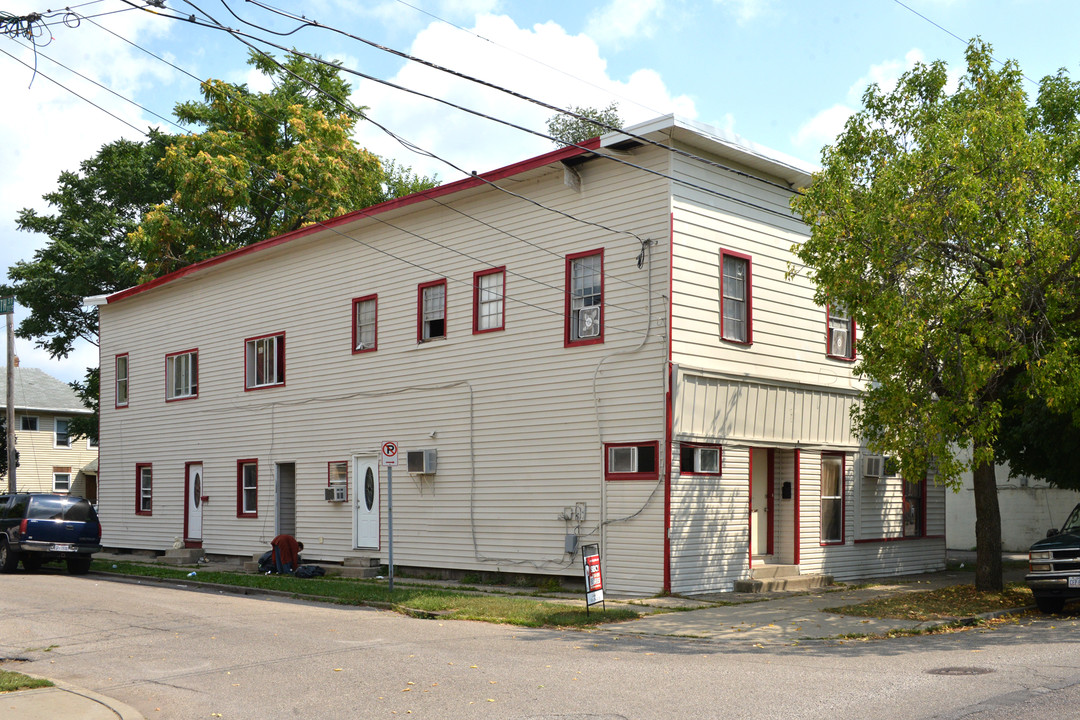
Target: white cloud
[(571, 72), (823, 128), (623, 19), (885, 75), (745, 10)]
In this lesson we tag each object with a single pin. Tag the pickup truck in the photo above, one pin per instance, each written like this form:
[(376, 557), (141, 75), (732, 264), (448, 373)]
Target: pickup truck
[(36, 527), (1054, 566)]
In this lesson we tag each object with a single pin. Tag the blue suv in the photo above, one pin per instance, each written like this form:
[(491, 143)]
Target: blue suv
[(36, 527)]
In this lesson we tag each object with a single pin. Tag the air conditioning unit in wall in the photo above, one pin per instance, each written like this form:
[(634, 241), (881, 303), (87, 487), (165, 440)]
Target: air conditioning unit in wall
[(873, 466), (422, 462), (335, 493)]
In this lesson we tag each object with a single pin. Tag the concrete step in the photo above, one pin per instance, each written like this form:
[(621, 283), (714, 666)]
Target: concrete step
[(783, 584), (181, 556), (765, 571)]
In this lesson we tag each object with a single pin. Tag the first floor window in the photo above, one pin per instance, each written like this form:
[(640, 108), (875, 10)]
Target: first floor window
[(841, 340), (61, 437), (121, 380), (365, 323), (914, 508), (699, 459), (631, 461), (735, 321), (488, 300), (432, 311), (61, 480), (29, 423), (265, 363), (144, 489), (832, 499), (585, 297), (182, 375), (247, 485), (337, 475)]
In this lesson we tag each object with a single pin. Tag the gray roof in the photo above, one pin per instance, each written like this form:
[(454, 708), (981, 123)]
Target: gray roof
[(36, 390)]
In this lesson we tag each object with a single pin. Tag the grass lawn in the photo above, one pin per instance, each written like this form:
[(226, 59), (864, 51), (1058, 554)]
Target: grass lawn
[(11, 681), (951, 602), (459, 604)]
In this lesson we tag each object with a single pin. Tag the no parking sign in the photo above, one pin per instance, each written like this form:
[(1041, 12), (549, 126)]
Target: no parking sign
[(389, 453)]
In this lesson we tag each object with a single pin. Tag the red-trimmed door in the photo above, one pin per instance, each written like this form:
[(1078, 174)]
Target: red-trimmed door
[(194, 490)]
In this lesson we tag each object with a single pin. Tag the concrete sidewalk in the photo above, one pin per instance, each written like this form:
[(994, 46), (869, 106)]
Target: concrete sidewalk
[(64, 701)]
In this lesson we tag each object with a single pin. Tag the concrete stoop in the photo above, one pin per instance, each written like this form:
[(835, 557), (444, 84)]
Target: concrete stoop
[(181, 556), (780, 578)]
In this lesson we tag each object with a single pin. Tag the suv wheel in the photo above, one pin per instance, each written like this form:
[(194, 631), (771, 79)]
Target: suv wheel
[(79, 565), (31, 562), (1049, 605), (9, 559)]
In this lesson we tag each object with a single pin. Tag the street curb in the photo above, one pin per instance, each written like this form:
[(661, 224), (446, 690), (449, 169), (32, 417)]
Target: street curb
[(122, 710)]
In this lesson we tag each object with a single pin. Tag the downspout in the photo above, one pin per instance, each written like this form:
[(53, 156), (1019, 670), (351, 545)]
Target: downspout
[(669, 410), (798, 506)]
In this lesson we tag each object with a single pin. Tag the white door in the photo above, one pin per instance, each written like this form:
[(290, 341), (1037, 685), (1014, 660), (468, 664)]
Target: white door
[(759, 502), (366, 501), (194, 501)]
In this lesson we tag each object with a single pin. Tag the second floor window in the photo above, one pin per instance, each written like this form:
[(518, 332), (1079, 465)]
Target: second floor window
[(121, 380), (432, 311), (585, 298), (365, 324), (61, 436), (265, 361), (182, 375), (841, 340), (488, 300), (735, 321)]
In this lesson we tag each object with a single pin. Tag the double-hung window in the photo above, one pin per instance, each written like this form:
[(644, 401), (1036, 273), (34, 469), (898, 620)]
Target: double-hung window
[(264, 361), (489, 293), (841, 337), (144, 489), (61, 433), (736, 318), (699, 459), (584, 298), (121, 375), (631, 461), (914, 508), (365, 324), (61, 480), (182, 375), (29, 423), (832, 499), (247, 488), (431, 311)]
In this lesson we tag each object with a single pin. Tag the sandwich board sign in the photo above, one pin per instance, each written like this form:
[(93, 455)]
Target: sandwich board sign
[(594, 581)]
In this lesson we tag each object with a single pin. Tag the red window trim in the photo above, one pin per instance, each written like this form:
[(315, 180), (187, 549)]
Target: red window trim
[(420, 310), (240, 488), (116, 400), (749, 297), (654, 474), (567, 342), (696, 473), (138, 488), (195, 352), (356, 301), (330, 483), (476, 300), (828, 336), (843, 501), (279, 350)]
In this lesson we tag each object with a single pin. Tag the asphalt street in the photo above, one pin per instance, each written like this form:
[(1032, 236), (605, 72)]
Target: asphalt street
[(171, 653)]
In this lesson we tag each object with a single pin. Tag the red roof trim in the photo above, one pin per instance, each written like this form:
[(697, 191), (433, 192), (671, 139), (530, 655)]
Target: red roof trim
[(440, 191)]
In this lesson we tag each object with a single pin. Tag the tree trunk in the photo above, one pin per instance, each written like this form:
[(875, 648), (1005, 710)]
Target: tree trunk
[(988, 574)]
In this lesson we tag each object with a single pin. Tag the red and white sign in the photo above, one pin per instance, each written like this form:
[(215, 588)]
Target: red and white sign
[(594, 581), (389, 453)]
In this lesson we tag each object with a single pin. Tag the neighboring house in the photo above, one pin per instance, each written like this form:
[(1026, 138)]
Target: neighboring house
[(51, 459), (625, 363), (1029, 508)]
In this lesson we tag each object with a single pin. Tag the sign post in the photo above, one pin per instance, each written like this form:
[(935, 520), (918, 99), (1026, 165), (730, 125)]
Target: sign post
[(389, 460), (7, 307), (594, 581)]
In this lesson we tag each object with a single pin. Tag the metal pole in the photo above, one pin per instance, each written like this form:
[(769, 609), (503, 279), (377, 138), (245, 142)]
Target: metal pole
[(390, 519), (11, 398)]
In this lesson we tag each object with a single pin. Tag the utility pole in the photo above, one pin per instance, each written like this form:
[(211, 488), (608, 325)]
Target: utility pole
[(7, 307)]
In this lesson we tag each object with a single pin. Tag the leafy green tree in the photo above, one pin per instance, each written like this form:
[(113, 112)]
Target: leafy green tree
[(570, 130), (948, 224)]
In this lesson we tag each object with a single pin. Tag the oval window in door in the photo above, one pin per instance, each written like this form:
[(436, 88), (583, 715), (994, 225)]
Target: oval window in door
[(369, 489), (197, 488)]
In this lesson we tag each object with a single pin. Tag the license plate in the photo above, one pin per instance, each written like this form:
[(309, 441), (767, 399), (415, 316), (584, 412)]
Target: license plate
[(64, 547), (1074, 581)]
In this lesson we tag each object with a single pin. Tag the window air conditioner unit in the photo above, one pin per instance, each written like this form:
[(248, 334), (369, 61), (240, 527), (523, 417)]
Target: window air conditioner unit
[(335, 493), (589, 321), (422, 462), (873, 466)]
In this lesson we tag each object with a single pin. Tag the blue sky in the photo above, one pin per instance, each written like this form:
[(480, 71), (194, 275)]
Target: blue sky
[(782, 73)]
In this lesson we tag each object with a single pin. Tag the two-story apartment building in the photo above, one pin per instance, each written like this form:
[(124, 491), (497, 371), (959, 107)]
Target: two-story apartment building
[(51, 458), (593, 345)]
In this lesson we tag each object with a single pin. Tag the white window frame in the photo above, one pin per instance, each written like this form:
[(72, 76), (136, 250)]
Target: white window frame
[(146, 489), (121, 385), (835, 501), (67, 482), (262, 355), (56, 433), (182, 375), (840, 321)]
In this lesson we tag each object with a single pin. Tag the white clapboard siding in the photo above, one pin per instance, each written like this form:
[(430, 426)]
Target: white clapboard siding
[(38, 456), (518, 420), (710, 526)]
